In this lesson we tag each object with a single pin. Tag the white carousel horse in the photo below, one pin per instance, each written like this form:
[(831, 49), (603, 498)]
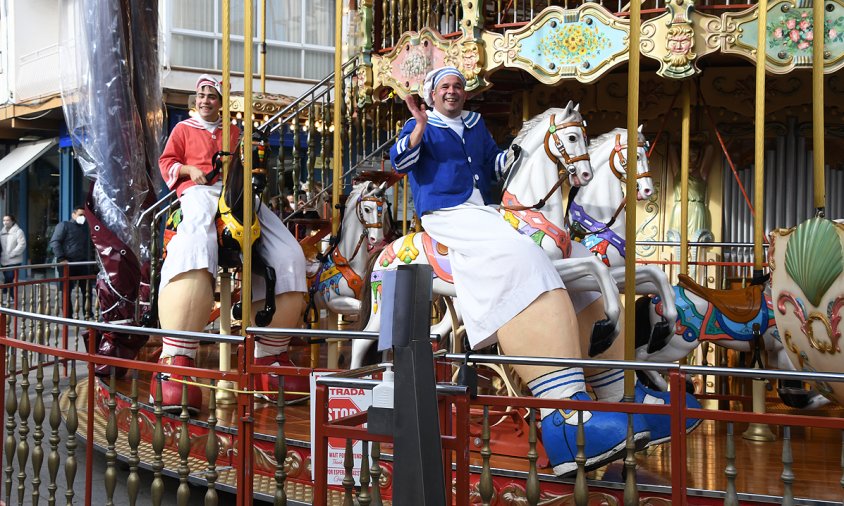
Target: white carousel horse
[(701, 314), (556, 137), (596, 214), (807, 277), (336, 285)]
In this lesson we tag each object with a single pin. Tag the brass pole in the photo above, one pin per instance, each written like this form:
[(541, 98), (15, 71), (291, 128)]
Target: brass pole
[(631, 494), (224, 395), (759, 138), (759, 431), (630, 208), (684, 177), (338, 113), (263, 37), (246, 143), (818, 60)]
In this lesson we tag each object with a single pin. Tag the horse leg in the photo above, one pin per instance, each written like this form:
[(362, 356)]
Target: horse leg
[(651, 280), (574, 272), (264, 316), (791, 392)]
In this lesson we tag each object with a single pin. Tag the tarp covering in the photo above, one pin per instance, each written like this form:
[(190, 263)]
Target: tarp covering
[(114, 112)]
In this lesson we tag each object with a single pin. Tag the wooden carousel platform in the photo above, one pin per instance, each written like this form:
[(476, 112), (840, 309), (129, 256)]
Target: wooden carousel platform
[(817, 456)]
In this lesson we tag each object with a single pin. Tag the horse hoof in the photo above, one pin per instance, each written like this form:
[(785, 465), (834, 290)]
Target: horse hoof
[(263, 318), (602, 337)]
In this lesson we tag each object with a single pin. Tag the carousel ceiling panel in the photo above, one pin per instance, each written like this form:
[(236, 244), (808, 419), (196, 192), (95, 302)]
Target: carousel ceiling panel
[(789, 35), (560, 44), (404, 68)]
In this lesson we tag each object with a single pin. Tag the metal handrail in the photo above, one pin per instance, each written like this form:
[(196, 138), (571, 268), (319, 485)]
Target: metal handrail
[(124, 329)]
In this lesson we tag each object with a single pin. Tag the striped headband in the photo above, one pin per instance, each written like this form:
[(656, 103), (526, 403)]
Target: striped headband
[(207, 80), (433, 79), (448, 71)]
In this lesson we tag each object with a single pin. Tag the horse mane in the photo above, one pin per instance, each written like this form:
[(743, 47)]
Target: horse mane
[(528, 125), (606, 137), (357, 190)]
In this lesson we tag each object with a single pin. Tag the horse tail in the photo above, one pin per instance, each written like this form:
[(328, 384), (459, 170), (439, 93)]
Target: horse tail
[(643, 321), (366, 294)]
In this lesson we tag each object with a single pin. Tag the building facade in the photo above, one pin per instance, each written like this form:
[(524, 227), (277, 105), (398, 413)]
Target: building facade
[(40, 182)]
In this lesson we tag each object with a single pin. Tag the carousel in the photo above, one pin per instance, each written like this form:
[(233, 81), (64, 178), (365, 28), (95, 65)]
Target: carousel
[(652, 135)]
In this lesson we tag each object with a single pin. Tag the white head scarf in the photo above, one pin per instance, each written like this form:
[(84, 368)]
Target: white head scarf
[(433, 79)]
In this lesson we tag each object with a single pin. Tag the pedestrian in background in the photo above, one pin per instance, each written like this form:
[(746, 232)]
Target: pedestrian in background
[(71, 242), (12, 248)]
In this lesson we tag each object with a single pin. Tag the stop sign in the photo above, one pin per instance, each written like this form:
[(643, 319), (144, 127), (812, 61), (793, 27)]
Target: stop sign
[(340, 407)]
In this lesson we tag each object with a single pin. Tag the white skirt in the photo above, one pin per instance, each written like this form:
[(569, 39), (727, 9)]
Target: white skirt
[(498, 272), (195, 244)]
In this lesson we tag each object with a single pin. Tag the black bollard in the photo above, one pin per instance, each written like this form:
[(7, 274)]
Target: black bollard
[(417, 461)]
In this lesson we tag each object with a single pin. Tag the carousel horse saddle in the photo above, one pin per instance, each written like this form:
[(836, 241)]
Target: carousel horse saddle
[(438, 258), (740, 305)]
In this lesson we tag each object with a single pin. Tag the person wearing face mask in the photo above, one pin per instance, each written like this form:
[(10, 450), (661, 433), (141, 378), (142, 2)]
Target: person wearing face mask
[(12, 248), (509, 291), (71, 242)]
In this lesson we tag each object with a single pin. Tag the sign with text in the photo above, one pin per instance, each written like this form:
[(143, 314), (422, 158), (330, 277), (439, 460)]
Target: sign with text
[(342, 402)]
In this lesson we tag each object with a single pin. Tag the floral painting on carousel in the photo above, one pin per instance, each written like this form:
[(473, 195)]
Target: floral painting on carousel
[(790, 34), (581, 43), (794, 32), (571, 43)]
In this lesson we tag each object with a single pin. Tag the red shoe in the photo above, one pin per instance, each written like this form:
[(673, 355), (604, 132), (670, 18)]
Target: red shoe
[(296, 388), (171, 391)]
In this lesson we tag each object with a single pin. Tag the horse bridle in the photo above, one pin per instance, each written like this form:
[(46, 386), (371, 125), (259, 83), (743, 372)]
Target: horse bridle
[(618, 152), (366, 226), (568, 161), (551, 134)]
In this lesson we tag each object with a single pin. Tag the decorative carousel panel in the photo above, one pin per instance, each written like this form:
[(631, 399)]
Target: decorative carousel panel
[(679, 37), (417, 53), (582, 44), (807, 288), (789, 35)]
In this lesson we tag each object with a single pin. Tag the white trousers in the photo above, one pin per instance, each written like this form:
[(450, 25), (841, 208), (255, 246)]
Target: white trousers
[(195, 244), (498, 272)]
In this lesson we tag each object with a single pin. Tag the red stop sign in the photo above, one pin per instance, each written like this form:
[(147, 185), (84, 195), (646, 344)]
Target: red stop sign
[(340, 407)]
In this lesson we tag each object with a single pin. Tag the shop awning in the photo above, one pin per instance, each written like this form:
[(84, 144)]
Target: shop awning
[(22, 157)]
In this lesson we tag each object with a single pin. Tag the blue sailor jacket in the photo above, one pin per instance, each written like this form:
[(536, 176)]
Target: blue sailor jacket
[(443, 168)]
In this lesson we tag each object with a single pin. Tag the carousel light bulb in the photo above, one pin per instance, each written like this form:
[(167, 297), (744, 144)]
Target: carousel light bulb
[(234, 122), (256, 124), (239, 115), (331, 128)]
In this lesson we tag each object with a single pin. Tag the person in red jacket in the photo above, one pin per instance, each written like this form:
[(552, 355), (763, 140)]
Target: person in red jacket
[(190, 269)]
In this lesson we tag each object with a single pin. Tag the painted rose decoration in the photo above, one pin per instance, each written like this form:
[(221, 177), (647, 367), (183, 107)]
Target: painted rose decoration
[(794, 31)]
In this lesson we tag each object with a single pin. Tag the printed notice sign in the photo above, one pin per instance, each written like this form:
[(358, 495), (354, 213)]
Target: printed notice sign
[(342, 402)]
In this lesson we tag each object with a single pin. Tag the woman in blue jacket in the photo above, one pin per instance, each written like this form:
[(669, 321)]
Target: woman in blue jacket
[(509, 291)]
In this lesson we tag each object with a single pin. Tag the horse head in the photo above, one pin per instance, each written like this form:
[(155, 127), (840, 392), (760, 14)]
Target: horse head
[(557, 137), (366, 210), (610, 151)]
